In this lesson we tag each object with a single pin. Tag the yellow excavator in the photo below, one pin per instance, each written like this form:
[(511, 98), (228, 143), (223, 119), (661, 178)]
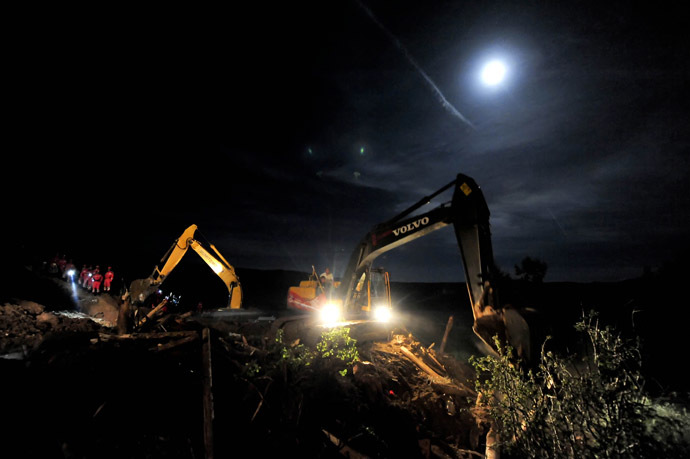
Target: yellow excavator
[(371, 295), (141, 290), (364, 291)]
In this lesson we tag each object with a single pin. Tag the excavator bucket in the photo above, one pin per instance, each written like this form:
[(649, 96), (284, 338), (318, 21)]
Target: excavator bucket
[(141, 289), (508, 326)]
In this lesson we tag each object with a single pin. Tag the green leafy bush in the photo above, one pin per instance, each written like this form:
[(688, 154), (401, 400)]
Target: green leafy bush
[(295, 356), (337, 343), (588, 405)]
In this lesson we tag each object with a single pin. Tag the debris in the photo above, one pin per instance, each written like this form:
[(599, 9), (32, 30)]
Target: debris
[(343, 448), (435, 377), (449, 325), (146, 336), (265, 396), (176, 343)]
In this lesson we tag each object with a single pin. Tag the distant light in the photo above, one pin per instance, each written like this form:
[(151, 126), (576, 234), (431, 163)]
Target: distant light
[(361, 151), (310, 152), (493, 73)]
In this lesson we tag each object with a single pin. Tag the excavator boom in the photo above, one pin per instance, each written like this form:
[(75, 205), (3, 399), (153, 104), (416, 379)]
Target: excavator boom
[(141, 289)]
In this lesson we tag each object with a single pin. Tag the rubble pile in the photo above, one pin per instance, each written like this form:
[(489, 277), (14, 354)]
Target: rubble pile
[(399, 399), (79, 389), (26, 325)]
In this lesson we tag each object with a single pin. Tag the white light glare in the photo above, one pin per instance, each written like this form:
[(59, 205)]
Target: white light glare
[(493, 73), (382, 313), (330, 313)]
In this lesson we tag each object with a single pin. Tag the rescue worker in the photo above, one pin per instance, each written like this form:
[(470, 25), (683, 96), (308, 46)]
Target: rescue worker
[(83, 275), (62, 263), (96, 280), (53, 265), (89, 278), (108, 279), (66, 273), (328, 275), (326, 279)]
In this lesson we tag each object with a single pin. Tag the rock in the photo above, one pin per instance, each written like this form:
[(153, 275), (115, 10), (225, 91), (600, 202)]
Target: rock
[(48, 317), (31, 307)]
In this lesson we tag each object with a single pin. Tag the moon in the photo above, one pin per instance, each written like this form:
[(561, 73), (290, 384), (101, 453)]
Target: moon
[(493, 73)]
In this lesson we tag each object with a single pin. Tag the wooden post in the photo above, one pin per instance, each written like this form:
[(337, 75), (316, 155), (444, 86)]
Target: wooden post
[(207, 394), (124, 318), (449, 325), (492, 451)]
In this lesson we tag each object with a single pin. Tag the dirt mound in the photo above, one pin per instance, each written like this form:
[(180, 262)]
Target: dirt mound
[(104, 307), (25, 326)]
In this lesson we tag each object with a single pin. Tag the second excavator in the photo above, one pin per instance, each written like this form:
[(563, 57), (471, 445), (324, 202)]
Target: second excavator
[(364, 290), (141, 290)]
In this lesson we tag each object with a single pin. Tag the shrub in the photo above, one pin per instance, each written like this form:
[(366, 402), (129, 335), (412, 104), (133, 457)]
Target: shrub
[(593, 405), (338, 343), (294, 356), (335, 345)]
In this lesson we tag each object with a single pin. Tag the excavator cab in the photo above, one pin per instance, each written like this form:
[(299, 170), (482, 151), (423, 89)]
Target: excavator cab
[(372, 295)]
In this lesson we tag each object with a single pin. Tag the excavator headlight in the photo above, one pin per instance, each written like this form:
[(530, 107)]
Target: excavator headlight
[(330, 313), (382, 313)]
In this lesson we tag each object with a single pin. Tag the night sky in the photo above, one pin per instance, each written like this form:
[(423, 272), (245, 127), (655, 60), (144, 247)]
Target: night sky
[(286, 130)]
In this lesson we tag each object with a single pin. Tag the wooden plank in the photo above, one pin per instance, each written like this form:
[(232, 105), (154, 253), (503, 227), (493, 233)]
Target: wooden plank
[(423, 366), (146, 336), (173, 344), (449, 325)]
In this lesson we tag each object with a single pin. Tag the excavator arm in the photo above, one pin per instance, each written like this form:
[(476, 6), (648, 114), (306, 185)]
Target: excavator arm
[(468, 213), (142, 288)]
